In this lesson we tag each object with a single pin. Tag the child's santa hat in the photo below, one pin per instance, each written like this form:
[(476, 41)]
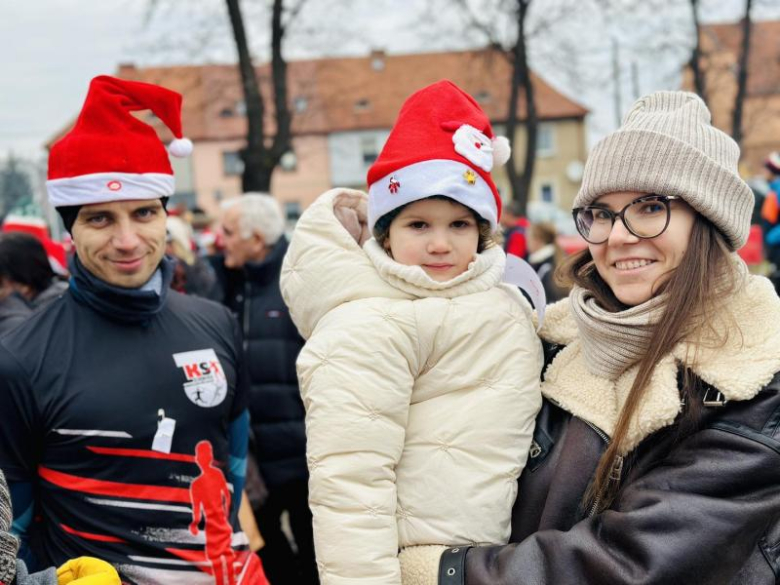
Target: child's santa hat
[(441, 144), (110, 155)]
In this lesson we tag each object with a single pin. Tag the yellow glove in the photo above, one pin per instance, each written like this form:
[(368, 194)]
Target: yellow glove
[(87, 571)]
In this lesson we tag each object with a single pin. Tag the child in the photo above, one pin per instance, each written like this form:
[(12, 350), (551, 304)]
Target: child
[(420, 376)]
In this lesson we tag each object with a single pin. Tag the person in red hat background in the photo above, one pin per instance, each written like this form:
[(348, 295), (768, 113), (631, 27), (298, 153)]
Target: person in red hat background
[(106, 393), (420, 374), (770, 216)]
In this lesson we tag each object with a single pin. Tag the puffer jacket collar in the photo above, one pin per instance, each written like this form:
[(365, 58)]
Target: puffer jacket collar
[(482, 274), (738, 368)]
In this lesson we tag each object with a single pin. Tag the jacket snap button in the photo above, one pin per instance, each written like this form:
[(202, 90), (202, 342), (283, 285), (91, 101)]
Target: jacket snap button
[(450, 572), (454, 550)]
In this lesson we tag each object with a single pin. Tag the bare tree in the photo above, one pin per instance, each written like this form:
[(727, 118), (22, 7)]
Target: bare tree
[(261, 158), (514, 45), (521, 80), (742, 75), (694, 63), (266, 143)]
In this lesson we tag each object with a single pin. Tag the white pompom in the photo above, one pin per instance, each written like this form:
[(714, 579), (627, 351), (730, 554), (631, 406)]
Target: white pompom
[(501, 150), (180, 147)]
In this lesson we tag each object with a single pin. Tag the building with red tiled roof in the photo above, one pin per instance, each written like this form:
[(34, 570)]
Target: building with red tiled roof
[(343, 109), (721, 45)]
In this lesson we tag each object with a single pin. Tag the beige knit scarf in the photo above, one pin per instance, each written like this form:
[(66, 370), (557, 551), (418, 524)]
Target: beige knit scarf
[(613, 342)]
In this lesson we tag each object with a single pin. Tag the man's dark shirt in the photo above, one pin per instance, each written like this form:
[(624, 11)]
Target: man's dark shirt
[(81, 397)]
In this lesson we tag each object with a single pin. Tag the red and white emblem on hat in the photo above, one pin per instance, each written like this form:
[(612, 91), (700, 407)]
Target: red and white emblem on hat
[(474, 146), (110, 155), (393, 185)]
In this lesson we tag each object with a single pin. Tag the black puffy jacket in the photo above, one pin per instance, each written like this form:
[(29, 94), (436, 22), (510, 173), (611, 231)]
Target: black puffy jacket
[(271, 345)]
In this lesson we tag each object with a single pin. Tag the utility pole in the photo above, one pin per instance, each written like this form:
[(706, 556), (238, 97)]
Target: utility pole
[(616, 82), (635, 79)]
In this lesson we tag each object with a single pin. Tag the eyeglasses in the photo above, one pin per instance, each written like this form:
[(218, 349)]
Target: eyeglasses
[(646, 217)]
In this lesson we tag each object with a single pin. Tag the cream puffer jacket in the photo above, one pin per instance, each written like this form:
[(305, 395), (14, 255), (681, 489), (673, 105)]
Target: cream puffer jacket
[(413, 388)]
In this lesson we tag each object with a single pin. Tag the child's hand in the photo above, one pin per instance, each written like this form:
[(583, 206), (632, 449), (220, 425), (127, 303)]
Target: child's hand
[(351, 210), (87, 571)]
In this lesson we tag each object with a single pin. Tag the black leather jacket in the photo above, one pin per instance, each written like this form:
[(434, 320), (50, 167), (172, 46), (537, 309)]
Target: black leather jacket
[(694, 509)]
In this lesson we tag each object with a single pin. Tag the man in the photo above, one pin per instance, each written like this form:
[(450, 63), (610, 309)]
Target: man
[(99, 422), (254, 243)]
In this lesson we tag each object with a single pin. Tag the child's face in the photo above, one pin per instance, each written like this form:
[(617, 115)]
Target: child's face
[(438, 235)]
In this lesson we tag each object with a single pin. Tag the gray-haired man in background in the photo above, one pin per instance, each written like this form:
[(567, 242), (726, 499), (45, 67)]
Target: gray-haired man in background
[(254, 246)]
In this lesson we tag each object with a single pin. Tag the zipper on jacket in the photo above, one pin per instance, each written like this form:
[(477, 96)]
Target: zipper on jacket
[(247, 307), (615, 474), (598, 431)]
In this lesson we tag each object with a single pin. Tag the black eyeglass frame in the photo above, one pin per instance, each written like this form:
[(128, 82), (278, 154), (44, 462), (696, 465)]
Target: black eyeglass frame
[(665, 199)]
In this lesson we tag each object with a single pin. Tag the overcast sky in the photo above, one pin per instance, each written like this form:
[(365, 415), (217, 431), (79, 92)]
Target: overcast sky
[(52, 48)]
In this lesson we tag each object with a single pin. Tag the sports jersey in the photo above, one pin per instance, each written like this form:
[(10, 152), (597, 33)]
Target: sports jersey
[(123, 430)]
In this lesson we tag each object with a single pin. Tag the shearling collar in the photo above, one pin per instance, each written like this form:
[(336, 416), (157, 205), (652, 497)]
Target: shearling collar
[(738, 368)]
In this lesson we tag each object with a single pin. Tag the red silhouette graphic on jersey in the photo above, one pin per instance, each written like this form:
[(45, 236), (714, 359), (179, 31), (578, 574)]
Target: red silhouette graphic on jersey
[(211, 501)]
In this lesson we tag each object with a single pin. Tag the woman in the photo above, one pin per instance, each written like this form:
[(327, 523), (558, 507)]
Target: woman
[(544, 254), (657, 450)]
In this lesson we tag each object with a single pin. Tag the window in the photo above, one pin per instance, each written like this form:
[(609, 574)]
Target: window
[(300, 104), (545, 140), (186, 199), (292, 210), (547, 192), (237, 109), (482, 97), (232, 164), (369, 149), (288, 162)]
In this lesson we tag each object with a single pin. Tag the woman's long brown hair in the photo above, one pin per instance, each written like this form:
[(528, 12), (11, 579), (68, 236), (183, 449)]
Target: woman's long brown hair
[(698, 290)]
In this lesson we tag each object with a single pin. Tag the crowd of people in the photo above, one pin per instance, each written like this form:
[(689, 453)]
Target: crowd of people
[(370, 398)]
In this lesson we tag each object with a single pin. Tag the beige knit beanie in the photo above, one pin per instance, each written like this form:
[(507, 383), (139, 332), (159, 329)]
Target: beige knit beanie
[(668, 146)]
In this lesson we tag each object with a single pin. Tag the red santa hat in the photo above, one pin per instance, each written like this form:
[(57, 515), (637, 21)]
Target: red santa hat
[(110, 155), (442, 144)]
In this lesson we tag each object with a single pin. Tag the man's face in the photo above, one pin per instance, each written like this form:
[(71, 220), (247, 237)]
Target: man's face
[(122, 242), (239, 250)]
